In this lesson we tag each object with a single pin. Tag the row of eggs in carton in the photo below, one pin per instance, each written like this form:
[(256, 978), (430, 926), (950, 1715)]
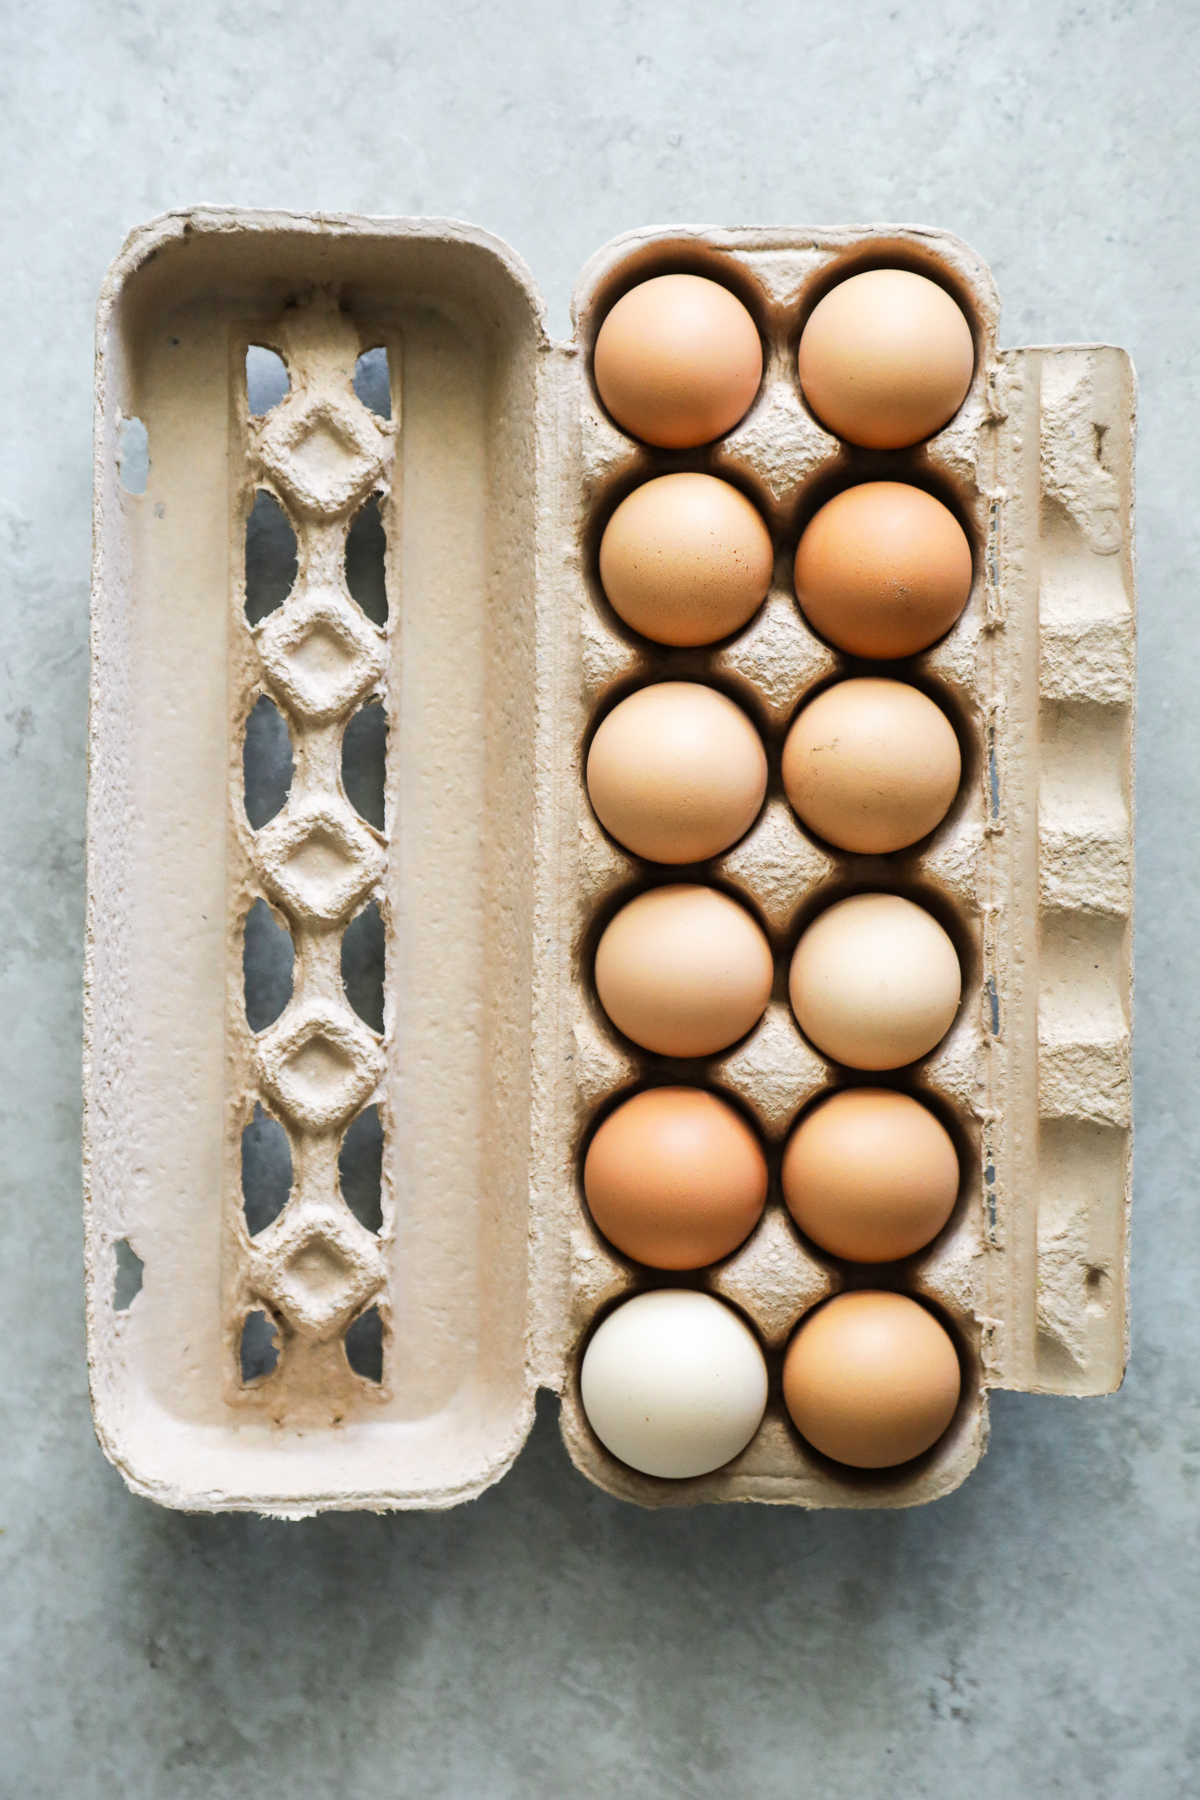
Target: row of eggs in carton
[(673, 1381)]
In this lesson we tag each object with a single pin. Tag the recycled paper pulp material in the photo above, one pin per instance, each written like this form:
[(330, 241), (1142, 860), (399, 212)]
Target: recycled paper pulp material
[(497, 471)]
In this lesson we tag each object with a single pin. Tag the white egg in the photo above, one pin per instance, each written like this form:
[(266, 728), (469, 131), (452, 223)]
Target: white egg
[(674, 1383)]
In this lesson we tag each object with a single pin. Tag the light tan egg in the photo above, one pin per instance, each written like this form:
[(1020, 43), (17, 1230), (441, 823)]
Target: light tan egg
[(871, 765), (686, 559), (871, 1379), (678, 361), (875, 982), (870, 1175), (675, 1178), (883, 570), (677, 772), (683, 971), (886, 359)]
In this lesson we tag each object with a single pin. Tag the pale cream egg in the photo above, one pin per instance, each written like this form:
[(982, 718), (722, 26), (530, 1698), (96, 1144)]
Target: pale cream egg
[(674, 1383), (875, 982)]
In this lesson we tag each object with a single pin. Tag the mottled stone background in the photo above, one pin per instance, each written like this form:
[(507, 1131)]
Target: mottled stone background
[(1035, 1634)]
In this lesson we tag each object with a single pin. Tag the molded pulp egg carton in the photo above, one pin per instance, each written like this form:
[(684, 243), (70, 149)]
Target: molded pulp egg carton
[(499, 470)]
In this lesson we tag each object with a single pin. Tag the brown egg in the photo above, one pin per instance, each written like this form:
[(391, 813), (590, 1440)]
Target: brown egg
[(683, 971), (871, 765), (870, 1175), (871, 1379), (883, 570), (686, 559), (886, 359), (675, 1178), (875, 982), (677, 772), (678, 361)]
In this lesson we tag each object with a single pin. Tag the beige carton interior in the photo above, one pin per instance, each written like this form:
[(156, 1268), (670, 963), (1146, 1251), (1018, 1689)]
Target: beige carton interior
[(498, 472)]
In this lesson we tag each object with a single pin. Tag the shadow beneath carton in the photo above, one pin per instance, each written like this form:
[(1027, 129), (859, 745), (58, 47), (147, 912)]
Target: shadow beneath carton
[(546, 1626)]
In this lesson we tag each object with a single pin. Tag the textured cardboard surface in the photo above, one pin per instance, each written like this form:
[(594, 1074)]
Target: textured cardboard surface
[(1033, 1077), (495, 1061), (173, 1082)]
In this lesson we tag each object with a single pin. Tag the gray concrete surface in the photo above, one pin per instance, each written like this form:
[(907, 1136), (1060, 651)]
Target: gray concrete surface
[(1037, 1633)]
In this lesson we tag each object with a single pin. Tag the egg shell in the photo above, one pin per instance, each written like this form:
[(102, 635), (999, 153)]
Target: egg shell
[(686, 559), (677, 772), (674, 1383), (883, 570), (678, 361), (675, 1178), (875, 982), (871, 1379), (870, 1175), (886, 359), (683, 970), (871, 765)]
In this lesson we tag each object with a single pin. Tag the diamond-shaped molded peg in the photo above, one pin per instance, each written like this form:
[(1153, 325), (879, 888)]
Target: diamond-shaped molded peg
[(317, 1269), (319, 859), (325, 453), (773, 1278), (320, 1064), (321, 654)]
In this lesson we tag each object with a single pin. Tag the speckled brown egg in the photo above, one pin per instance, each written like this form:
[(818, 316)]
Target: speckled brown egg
[(678, 361), (871, 765), (883, 570), (686, 559), (677, 772), (871, 1379), (675, 1178), (683, 971), (870, 1175), (886, 359), (875, 982)]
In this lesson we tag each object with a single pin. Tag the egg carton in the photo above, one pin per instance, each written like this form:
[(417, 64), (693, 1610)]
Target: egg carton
[(498, 471)]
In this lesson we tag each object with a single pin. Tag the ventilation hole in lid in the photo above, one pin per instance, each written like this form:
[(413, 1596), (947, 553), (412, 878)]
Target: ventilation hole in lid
[(372, 382), (133, 455), (1098, 1286), (993, 1000), (127, 1282), (364, 1345), (266, 379), (266, 762), (266, 1170), (272, 563), (366, 561), (363, 953), (364, 762), (360, 1168), (259, 1350), (268, 959)]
